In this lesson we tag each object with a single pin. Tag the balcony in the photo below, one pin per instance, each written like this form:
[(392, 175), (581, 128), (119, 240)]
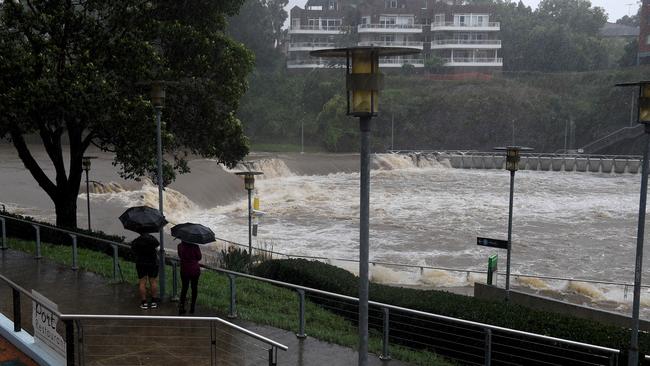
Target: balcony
[(458, 26), (411, 44), (313, 63), (316, 29), (310, 46), (488, 44), (391, 62), (473, 62), (389, 28)]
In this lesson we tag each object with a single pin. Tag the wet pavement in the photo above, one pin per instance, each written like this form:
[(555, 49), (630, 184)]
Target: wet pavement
[(152, 342)]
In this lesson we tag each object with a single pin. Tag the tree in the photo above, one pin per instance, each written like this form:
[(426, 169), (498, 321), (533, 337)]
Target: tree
[(74, 70)]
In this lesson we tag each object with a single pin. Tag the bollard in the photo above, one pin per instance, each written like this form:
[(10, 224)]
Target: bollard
[(38, 241), (74, 252), (115, 263), (4, 233), (488, 347), (233, 310), (385, 355), (174, 281), (16, 296), (301, 322)]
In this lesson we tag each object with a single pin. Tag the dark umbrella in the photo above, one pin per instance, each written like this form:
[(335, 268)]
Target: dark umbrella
[(142, 219), (193, 233)]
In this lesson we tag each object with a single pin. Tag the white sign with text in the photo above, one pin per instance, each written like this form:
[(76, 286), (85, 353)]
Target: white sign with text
[(44, 322)]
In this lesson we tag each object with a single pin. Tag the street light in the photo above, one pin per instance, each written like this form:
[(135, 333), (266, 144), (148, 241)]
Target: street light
[(158, 101), (643, 117), (363, 82), (512, 164), (249, 185), (85, 164)]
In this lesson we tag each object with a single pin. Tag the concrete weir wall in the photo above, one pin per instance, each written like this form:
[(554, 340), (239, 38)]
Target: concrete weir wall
[(551, 162)]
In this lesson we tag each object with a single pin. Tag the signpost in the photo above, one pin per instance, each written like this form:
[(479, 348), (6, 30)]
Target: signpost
[(493, 243), (492, 268), (44, 322)]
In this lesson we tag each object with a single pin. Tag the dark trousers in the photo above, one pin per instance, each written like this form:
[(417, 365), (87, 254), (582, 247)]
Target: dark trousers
[(185, 282)]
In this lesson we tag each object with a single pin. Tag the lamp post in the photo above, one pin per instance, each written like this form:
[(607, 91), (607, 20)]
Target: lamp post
[(85, 164), (249, 185), (363, 82), (643, 108), (158, 101), (512, 165)]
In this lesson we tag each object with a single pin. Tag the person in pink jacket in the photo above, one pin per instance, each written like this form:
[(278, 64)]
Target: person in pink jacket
[(190, 255)]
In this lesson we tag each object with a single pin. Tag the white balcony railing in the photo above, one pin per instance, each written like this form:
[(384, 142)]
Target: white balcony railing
[(466, 43), (389, 28), (398, 62), (332, 29), (313, 63), (310, 46), (465, 26), (412, 44), (474, 61)]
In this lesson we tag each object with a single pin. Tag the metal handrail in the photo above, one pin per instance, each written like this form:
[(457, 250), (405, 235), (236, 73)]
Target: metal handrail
[(474, 59), (412, 311), (19, 288), (390, 26), (466, 24), (392, 43), (466, 41)]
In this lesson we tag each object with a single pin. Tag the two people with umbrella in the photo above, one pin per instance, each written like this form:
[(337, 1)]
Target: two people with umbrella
[(144, 220)]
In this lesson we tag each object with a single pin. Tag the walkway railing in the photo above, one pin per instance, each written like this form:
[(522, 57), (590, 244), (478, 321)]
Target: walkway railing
[(77, 339), (466, 341)]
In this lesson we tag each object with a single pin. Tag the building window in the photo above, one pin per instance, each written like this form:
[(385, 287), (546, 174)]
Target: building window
[(365, 20), (424, 4), (333, 5), (440, 19), (647, 39), (393, 4)]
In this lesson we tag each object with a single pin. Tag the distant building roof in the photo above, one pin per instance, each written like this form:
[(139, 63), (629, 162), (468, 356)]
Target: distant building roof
[(619, 30)]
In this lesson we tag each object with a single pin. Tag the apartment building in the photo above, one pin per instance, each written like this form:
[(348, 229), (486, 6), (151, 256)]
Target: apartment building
[(462, 38)]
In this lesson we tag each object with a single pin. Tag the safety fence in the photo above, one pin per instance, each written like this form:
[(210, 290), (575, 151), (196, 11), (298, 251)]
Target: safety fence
[(109, 339), (464, 341)]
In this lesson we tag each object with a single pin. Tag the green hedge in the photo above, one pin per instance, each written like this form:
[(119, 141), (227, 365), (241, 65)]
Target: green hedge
[(330, 278)]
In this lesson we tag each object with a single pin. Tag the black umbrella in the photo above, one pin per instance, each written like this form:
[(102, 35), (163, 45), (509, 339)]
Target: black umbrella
[(193, 233), (142, 219)]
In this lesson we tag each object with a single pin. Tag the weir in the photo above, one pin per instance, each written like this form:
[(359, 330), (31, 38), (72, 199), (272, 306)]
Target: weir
[(619, 164)]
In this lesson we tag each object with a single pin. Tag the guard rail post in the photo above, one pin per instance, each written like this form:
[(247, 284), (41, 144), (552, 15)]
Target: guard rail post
[(488, 347), (385, 355), (301, 320), (115, 263), (233, 292), (74, 252), (17, 320), (69, 342), (4, 233), (273, 356), (38, 241), (213, 344), (613, 359)]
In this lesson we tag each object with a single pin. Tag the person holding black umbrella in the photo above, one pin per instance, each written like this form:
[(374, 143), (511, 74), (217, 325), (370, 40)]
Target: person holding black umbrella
[(146, 265), (143, 220), (189, 253)]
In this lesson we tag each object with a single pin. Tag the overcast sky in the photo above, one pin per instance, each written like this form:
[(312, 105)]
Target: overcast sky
[(615, 8)]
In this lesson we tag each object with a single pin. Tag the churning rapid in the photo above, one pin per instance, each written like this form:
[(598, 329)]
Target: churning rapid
[(422, 213)]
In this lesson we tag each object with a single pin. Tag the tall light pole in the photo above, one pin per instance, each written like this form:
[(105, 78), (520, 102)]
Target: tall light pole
[(158, 101), (363, 84), (644, 118), (85, 164), (249, 185), (512, 165)]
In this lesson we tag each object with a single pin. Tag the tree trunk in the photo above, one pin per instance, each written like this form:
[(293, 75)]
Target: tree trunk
[(66, 211)]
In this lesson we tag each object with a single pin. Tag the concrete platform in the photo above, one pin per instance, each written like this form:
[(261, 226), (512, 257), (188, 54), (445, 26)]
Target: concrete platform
[(149, 342)]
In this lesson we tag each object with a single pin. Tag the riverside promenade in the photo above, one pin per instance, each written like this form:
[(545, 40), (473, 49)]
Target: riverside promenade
[(151, 342)]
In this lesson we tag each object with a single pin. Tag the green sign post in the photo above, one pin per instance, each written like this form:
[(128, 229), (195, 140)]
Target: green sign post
[(492, 267)]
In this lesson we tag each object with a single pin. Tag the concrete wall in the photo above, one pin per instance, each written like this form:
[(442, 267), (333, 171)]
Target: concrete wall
[(536, 302)]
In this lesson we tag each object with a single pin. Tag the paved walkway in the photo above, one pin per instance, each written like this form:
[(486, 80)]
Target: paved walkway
[(152, 342)]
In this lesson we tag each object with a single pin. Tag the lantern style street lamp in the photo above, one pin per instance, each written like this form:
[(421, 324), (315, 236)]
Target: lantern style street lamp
[(85, 165), (643, 117), (363, 82), (158, 101), (249, 185), (512, 165)]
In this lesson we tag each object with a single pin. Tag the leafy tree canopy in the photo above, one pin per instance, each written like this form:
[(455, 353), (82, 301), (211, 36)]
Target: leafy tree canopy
[(77, 71)]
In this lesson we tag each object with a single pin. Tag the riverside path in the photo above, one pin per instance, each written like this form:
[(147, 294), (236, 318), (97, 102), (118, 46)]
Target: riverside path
[(151, 342)]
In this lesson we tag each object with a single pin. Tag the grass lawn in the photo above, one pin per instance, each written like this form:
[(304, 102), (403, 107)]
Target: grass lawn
[(257, 302)]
